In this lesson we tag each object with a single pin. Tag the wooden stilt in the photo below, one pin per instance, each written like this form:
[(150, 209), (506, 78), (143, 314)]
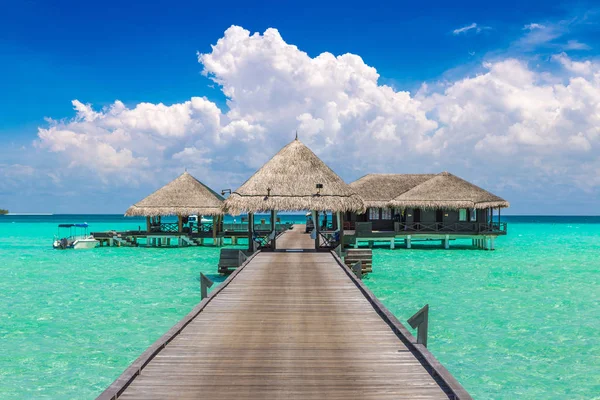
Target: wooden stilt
[(447, 242), (408, 245)]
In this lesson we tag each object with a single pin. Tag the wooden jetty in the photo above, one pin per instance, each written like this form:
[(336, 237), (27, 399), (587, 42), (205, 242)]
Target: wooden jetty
[(288, 324)]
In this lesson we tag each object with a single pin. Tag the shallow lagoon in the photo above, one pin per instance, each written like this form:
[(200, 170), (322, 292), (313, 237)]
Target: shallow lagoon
[(521, 321)]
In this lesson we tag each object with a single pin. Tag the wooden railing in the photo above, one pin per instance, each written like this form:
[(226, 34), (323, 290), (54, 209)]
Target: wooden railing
[(165, 227), (204, 227), (329, 239), (456, 227)]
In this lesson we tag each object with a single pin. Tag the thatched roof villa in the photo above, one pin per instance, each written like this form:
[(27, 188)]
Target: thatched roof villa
[(182, 197), (289, 182), (295, 179), (425, 204), (389, 206)]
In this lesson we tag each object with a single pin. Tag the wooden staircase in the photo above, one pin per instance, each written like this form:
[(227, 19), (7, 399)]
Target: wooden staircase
[(365, 256), (231, 259)]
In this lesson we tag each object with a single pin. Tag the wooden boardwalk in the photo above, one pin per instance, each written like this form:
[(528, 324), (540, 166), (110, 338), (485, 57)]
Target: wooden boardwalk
[(295, 239), (287, 325)]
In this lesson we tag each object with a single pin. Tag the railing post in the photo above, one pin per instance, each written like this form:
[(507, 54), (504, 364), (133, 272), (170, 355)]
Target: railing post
[(241, 258), (357, 268), (420, 322), (205, 283), (338, 250)]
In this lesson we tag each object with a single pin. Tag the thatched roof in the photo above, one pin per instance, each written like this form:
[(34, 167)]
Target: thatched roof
[(184, 196), (378, 190), (448, 191), (288, 182)]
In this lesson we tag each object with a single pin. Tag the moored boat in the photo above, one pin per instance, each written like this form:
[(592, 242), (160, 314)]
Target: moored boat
[(77, 239)]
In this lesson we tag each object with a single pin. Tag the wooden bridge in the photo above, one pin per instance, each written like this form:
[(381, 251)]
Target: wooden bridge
[(288, 325)]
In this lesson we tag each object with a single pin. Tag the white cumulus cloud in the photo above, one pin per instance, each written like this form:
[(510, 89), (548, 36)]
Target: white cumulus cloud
[(508, 126)]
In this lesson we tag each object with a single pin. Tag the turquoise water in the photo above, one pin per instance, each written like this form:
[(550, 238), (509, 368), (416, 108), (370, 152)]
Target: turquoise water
[(519, 322)]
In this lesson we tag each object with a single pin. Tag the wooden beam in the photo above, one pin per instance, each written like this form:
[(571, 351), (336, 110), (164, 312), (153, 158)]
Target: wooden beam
[(316, 228), (250, 232), (274, 228), (340, 222)]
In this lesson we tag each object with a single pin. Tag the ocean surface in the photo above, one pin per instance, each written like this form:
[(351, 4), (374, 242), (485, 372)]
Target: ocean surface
[(522, 321)]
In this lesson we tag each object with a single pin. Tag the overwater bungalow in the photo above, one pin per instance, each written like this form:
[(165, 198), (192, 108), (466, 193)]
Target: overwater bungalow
[(295, 179), (425, 207), (183, 197)]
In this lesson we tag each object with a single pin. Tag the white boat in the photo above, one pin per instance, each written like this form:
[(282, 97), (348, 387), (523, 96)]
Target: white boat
[(77, 239)]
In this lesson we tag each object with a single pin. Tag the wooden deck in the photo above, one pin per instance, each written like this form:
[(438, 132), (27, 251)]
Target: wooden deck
[(296, 239), (288, 325)]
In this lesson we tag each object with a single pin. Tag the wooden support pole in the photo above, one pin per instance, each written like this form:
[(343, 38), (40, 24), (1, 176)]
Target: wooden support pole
[(274, 228), (250, 232), (215, 223), (408, 244), (147, 224), (340, 226), (447, 242), (392, 243), (316, 228), (179, 223)]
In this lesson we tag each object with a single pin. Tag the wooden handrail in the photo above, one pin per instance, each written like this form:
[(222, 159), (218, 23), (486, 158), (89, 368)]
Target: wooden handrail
[(467, 227)]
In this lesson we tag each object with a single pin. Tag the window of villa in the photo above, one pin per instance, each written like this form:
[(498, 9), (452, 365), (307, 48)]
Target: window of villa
[(462, 214), (386, 213), (473, 215), (373, 213)]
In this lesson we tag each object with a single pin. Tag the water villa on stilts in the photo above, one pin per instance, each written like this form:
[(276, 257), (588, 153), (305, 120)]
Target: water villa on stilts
[(424, 207), (186, 198), (295, 179)]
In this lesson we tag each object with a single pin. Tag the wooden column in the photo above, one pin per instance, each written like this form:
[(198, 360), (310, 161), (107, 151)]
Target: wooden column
[(274, 228), (250, 232), (214, 229), (340, 222), (315, 216), (147, 224), (179, 224)]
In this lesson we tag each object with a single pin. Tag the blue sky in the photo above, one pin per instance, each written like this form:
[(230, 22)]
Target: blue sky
[(450, 60)]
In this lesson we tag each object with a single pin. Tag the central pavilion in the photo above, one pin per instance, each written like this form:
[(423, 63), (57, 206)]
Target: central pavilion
[(295, 179)]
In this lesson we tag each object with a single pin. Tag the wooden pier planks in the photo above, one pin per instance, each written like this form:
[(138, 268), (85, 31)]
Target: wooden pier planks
[(290, 325), (296, 239)]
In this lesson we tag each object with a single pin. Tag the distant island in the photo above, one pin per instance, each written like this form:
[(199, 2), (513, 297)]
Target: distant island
[(3, 211)]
